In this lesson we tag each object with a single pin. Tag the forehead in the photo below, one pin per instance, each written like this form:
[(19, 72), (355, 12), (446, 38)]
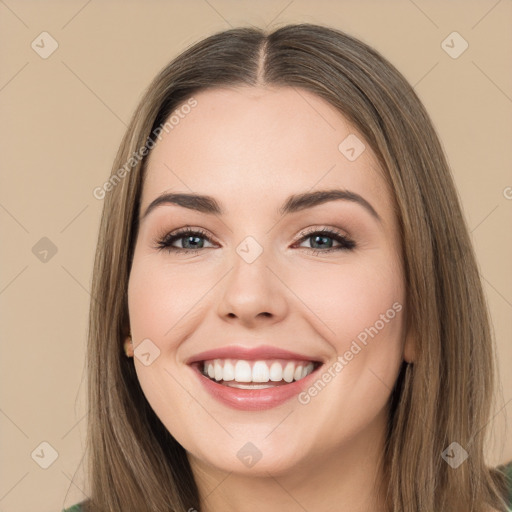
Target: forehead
[(249, 145)]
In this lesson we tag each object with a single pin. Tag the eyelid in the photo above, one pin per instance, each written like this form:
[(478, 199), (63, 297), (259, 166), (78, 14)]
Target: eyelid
[(321, 229)]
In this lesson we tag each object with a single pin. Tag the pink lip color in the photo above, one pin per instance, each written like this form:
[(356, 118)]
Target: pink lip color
[(254, 399), (253, 353)]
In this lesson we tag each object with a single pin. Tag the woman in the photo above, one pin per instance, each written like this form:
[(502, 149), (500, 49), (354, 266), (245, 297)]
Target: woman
[(283, 258)]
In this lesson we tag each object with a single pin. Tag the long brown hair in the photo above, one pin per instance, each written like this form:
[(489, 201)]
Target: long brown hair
[(445, 396)]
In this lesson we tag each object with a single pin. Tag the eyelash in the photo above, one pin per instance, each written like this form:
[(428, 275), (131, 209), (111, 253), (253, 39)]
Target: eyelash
[(165, 242)]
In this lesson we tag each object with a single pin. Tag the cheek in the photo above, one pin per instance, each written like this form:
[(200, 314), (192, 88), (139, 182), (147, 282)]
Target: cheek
[(160, 301), (159, 297), (346, 299), (359, 310)]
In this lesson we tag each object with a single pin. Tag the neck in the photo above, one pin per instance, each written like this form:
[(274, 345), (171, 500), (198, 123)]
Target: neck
[(349, 478)]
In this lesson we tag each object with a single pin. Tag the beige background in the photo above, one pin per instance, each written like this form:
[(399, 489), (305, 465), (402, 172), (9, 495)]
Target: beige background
[(62, 121)]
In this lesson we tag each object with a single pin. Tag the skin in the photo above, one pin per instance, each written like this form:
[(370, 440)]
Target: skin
[(323, 455)]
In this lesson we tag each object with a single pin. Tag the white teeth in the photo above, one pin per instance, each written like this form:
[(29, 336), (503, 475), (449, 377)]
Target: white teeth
[(250, 386), (218, 370), (276, 372), (260, 372), (288, 372), (243, 372), (229, 371), (256, 371)]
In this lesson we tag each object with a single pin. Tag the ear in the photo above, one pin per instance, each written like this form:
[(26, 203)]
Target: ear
[(128, 346)]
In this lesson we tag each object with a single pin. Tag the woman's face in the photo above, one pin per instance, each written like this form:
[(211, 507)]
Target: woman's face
[(258, 275)]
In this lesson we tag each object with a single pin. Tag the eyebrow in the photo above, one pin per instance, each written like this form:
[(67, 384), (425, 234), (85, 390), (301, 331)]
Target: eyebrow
[(294, 203)]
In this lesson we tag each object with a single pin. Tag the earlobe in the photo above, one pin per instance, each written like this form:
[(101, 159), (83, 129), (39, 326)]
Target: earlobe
[(128, 346)]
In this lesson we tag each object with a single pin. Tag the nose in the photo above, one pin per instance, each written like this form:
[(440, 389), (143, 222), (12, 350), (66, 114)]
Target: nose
[(252, 294)]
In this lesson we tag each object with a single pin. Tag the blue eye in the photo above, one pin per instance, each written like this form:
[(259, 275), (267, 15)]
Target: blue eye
[(321, 237), (192, 241), (189, 237)]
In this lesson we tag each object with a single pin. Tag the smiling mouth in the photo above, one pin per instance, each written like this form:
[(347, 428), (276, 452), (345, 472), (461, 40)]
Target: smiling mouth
[(257, 374)]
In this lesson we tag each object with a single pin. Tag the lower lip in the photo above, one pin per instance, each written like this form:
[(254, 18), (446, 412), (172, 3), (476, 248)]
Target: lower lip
[(254, 399)]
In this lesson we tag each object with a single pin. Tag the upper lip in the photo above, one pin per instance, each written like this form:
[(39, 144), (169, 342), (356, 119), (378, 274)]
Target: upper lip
[(250, 354)]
